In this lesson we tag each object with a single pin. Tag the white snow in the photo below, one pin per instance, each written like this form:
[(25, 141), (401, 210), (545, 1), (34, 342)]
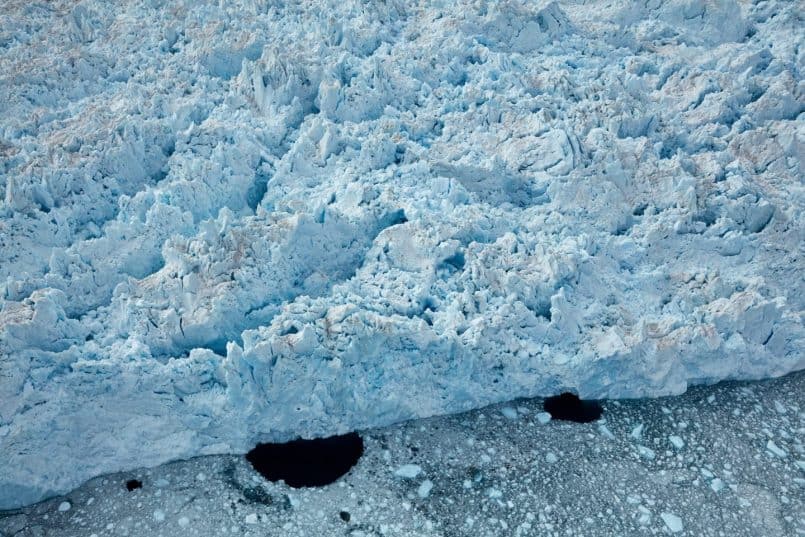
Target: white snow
[(319, 217)]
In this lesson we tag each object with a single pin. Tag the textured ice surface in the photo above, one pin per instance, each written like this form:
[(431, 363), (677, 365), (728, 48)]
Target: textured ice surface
[(481, 474), (242, 221)]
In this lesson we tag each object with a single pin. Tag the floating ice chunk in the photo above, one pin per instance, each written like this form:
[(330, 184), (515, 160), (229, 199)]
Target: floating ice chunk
[(551, 457), (183, 521), (717, 485), (424, 488), (646, 453), (637, 432), (644, 518), (251, 518), (509, 412), (604, 430), (159, 515), (408, 471), (676, 441), (673, 522), (543, 418), (775, 449), (64, 506)]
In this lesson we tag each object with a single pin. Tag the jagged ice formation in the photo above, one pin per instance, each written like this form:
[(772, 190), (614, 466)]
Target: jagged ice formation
[(234, 222)]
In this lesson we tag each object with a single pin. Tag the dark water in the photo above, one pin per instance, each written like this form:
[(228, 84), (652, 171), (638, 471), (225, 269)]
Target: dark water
[(307, 463)]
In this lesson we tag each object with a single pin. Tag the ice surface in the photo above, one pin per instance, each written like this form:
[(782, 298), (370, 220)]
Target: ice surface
[(243, 222), (677, 441), (424, 488), (509, 412), (408, 471), (596, 488), (774, 448), (673, 522)]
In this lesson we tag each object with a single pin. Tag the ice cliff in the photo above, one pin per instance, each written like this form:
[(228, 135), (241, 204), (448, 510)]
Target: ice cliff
[(231, 222)]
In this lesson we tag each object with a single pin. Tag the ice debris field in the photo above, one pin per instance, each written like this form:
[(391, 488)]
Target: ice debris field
[(232, 222), (718, 461)]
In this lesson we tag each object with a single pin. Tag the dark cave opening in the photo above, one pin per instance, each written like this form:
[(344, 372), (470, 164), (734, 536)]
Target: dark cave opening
[(132, 484), (307, 463), (569, 407)]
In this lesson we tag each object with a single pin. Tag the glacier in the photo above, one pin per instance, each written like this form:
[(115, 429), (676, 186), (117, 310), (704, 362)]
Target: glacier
[(232, 222)]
